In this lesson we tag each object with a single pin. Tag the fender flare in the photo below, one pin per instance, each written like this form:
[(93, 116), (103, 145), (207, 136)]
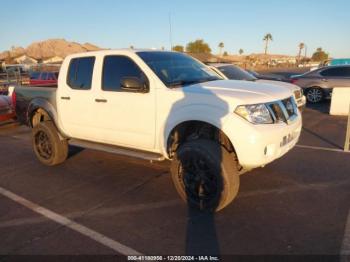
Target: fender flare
[(47, 107), (187, 114)]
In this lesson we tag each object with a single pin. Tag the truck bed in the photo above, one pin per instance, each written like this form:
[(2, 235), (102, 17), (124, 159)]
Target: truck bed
[(26, 94)]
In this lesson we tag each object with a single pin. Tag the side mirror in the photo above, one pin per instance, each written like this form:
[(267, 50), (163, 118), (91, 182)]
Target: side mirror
[(134, 84)]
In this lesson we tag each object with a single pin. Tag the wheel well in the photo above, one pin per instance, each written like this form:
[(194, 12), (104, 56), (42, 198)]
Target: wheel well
[(192, 130), (316, 87), (37, 116)]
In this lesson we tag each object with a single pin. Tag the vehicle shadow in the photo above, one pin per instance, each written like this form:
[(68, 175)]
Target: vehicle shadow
[(74, 150), (201, 236), (322, 107)]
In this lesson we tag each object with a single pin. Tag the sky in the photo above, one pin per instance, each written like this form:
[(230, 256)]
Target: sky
[(145, 23)]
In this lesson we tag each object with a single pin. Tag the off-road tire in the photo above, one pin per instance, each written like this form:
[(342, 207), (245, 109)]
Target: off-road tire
[(222, 179), (48, 147)]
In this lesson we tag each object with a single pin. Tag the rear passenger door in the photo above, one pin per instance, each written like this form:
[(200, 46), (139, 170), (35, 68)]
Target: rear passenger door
[(75, 100), (338, 76), (125, 118)]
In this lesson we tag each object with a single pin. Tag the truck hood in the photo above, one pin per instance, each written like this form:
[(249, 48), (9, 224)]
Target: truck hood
[(237, 92), (290, 86)]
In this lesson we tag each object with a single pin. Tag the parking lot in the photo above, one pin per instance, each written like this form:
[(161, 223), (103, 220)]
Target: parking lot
[(99, 203)]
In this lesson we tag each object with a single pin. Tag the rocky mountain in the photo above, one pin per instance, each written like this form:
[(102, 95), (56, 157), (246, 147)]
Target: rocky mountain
[(48, 48)]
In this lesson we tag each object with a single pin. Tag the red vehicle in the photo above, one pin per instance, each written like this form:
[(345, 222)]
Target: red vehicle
[(7, 106), (43, 79)]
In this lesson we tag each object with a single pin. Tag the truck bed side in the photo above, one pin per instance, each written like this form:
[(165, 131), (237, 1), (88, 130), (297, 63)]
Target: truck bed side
[(30, 98)]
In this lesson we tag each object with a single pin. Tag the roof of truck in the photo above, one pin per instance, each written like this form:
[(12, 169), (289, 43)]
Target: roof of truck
[(113, 51)]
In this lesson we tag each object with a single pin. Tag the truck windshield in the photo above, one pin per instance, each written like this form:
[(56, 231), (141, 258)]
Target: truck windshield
[(177, 69)]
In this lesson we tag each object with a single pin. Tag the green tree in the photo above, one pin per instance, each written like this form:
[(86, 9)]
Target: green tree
[(225, 53), (221, 46), (301, 47), (198, 46), (241, 51), (319, 55), (267, 38), (179, 48)]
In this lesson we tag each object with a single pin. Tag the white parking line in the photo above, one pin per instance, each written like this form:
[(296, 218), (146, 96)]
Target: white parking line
[(108, 242), (100, 212), (345, 249), (322, 148)]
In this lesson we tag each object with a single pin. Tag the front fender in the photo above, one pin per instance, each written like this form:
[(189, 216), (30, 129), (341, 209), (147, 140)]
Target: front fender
[(215, 116)]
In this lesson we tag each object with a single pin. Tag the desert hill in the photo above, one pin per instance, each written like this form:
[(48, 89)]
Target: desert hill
[(48, 48)]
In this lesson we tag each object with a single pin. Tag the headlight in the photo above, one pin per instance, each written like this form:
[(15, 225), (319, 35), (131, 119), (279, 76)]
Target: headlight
[(256, 114)]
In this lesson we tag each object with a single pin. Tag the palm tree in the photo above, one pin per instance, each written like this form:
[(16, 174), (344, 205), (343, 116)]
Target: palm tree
[(221, 46), (241, 51), (301, 47), (267, 38)]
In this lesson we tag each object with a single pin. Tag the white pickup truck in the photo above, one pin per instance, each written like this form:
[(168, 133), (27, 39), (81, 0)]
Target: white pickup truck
[(161, 105)]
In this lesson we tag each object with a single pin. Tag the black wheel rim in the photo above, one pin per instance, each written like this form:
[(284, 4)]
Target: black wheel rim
[(200, 181), (43, 145)]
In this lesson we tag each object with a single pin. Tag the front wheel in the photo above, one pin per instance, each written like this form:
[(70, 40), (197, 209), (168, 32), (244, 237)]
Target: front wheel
[(314, 95), (205, 175), (48, 147)]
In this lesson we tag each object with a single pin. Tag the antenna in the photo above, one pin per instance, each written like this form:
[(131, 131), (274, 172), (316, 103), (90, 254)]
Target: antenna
[(170, 33)]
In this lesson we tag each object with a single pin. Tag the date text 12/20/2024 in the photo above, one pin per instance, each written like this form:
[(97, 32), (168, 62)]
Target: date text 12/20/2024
[(173, 258)]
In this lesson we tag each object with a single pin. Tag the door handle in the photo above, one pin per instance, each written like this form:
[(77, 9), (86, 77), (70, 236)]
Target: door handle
[(65, 97), (101, 100)]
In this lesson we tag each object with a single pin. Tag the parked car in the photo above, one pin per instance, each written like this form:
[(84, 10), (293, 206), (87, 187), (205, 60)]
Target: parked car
[(229, 71), (318, 84), (43, 79), (159, 105), (7, 106)]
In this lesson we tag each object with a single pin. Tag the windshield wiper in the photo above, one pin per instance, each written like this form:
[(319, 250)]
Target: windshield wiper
[(182, 83), (191, 82)]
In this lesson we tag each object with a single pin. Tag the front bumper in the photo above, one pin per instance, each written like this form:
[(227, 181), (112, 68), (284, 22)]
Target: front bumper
[(258, 145)]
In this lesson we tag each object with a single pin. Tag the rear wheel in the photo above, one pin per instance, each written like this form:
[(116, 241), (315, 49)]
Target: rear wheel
[(205, 175), (314, 95), (47, 145)]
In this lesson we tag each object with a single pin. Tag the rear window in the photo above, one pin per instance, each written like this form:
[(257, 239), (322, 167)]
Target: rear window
[(80, 73)]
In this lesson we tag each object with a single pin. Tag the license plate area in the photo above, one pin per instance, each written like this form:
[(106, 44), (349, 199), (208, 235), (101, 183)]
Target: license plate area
[(287, 139)]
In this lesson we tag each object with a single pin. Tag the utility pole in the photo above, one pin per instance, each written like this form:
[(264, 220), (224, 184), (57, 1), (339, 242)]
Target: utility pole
[(170, 33), (305, 51)]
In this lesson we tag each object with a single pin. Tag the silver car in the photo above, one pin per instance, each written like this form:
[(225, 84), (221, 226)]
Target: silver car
[(318, 84)]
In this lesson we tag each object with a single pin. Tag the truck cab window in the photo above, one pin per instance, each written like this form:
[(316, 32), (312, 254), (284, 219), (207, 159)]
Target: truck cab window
[(115, 68), (80, 73)]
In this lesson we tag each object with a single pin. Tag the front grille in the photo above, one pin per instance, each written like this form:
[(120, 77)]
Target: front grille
[(277, 112), (283, 110), (297, 94), (289, 106)]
